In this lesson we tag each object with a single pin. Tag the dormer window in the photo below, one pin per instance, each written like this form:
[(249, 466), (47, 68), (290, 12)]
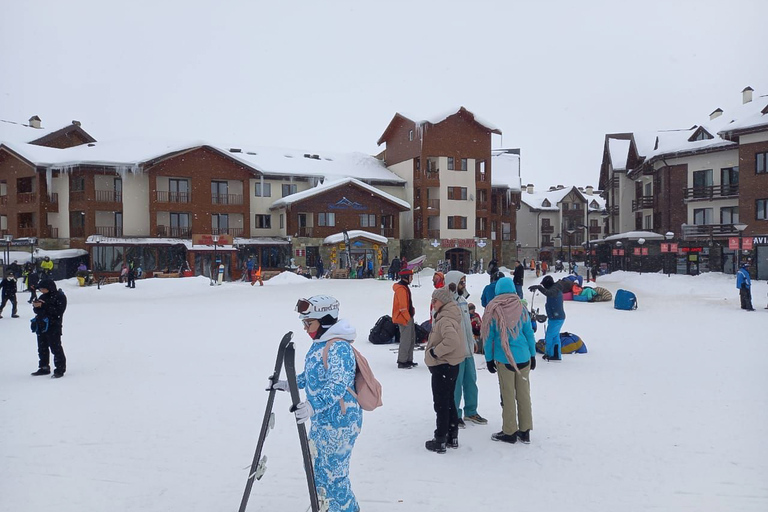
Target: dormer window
[(546, 204), (700, 134)]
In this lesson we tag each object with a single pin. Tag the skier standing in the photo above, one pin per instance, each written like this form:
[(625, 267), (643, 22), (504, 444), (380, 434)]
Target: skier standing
[(402, 314), (517, 276), (743, 283), (9, 287), (510, 350), (336, 416)]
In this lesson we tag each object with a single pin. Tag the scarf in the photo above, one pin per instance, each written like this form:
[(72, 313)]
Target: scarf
[(506, 310)]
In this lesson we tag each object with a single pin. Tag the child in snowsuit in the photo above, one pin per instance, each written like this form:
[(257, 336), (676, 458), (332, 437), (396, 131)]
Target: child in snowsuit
[(49, 316), (9, 287), (555, 315), (477, 323), (336, 416)]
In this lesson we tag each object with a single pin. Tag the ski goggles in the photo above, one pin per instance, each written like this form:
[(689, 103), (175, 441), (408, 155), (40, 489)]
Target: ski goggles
[(303, 306)]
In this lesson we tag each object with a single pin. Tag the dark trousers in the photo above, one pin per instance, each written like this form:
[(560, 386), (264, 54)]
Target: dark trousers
[(744, 293), (131, 281), (51, 342), (11, 298), (32, 294), (443, 386)]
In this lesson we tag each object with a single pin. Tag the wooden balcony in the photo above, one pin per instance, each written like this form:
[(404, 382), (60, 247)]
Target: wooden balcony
[(708, 231), (643, 202), (109, 196), (388, 232), (712, 192), (26, 232), (26, 198), (110, 231), (226, 199), (163, 196), (305, 231), (174, 232)]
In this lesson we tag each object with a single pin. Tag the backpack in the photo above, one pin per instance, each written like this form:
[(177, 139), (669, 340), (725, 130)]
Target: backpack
[(625, 300), (383, 332), (367, 390)]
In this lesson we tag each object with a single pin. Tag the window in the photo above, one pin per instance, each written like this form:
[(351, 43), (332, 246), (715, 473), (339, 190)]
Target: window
[(702, 135), (761, 210), (450, 163), (545, 240), (729, 215), (761, 163), (576, 206), (456, 222), (263, 222), (178, 191), (219, 223), (481, 170), (367, 221), (410, 135), (417, 163), (464, 164), (545, 223), (219, 192), (282, 221), (263, 190), (326, 219), (702, 178), (648, 190), (179, 224), (702, 216), (648, 222), (77, 184), (593, 223), (506, 231), (457, 193), (729, 178), (565, 206), (288, 190)]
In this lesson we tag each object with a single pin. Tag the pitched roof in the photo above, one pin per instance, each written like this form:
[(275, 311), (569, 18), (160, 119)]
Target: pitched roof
[(535, 201), (324, 187), (21, 133), (437, 118)]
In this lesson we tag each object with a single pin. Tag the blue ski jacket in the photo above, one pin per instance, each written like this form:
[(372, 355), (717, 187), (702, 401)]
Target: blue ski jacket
[(742, 277)]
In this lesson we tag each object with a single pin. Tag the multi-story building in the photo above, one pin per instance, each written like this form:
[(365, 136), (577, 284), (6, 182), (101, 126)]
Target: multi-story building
[(463, 207), (557, 223), (697, 186)]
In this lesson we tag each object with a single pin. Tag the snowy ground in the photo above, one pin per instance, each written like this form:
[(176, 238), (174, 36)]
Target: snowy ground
[(161, 405)]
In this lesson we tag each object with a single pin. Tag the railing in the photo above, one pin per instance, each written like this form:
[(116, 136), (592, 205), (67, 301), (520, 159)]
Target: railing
[(547, 229), (174, 231), (51, 232), (227, 198), (709, 230), (711, 192), (388, 232), (163, 196), (227, 231), (482, 233), (642, 202), (26, 198), (109, 196), (26, 232), (111, 231), (482, 205), (306, 231), (433, 233), (615, 182), (434, 204)]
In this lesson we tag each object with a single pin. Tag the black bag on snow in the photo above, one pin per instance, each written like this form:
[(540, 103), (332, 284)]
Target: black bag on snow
[(383, 332)]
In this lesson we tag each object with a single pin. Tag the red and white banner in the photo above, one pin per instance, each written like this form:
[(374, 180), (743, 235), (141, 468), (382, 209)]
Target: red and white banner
[(746, 244), (636, 251), (664, 247), (733, 243), (673, 247), (645, 251)]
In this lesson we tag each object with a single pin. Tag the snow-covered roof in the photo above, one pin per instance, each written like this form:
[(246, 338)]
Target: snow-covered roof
[(619, 152), (505, 170), (536, 199), (631, 235), (267, 240), (439, 117), (355, 233), (595, 198), (329, 185), (753, 117), (22, 133)]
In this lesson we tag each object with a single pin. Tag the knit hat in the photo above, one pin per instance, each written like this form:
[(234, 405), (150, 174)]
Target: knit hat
[(406, 272), (444, 295)]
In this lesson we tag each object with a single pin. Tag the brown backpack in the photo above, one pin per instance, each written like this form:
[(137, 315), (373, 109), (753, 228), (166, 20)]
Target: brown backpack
[(367, 390)]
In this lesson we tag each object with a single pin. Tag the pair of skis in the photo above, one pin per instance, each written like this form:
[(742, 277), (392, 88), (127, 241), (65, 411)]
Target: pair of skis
[(286, 354)]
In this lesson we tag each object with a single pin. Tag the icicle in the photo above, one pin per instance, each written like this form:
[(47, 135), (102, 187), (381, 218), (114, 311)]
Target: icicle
[(48, 179)]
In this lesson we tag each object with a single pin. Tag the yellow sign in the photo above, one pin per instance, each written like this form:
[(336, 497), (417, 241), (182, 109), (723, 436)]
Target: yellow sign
[(342, 246), (375, 247)]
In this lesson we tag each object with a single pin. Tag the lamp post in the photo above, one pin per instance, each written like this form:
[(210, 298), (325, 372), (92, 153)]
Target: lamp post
[(475, 267), (570, 241), (588, 257), (557, 241), (640, 242), (618, 251), (669, 236), (97, 257), (740, 228), (215, 266), (7, 257)]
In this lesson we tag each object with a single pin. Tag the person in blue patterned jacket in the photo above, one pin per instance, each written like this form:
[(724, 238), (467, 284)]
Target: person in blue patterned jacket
[(336, 416)]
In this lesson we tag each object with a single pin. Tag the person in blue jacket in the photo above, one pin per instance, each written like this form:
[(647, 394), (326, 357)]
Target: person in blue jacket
[(555, 315), (489, 292), (744, 284), (510, 350), (336, 416)]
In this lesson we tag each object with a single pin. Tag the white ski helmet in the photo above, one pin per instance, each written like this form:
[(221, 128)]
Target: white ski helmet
[(318, 307)]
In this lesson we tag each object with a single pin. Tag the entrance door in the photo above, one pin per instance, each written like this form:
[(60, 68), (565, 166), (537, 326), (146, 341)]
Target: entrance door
[(459, 259)]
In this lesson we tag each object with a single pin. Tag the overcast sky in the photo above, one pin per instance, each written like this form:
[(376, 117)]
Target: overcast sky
[(554, 76)]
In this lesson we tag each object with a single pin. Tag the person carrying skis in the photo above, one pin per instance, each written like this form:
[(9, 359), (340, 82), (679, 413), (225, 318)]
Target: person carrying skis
[(743, 283), (402, 315), (510, 350), (9, 287), (335, 413), (49, 315), (444, 353), (555, 315), (466, 382)]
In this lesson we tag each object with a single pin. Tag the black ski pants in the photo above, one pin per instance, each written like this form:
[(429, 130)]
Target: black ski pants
[(744, 293), (443, 386), (51, 342), (10, 297)]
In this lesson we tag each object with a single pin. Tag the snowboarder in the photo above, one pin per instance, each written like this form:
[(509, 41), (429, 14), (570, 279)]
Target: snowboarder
[(444, 353), (555, 315), (510, 350), (336, 416), (466, 382), (743, 283), (9, 287), (402, 314), (49, 314)]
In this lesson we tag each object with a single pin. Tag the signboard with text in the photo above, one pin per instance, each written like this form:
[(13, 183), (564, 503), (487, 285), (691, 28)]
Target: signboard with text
[(645, 251), (636, 251), (746, 244), (733, 243), (664, 247)]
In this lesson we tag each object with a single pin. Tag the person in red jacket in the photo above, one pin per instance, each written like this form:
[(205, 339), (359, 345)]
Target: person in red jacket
[(402, 315)]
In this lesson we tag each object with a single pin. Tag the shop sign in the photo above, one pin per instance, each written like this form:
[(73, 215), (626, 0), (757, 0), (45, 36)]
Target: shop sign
[(301, 252), (664, 247), (733, 243), (746, 244), (458, 242), (636, 251), (621, 252), (760, 240), (615, 252), (645, 251), (691, 249), (673, 247)]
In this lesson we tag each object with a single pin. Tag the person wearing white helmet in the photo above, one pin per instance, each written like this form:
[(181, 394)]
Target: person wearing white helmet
[(336, 416)]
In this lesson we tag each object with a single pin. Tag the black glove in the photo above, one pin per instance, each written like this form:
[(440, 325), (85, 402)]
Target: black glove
[(491, 366), (533, 363), (432, 353), (532, 288)]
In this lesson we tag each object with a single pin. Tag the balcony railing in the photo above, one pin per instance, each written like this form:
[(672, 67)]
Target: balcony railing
[(26, 198), (163, 196), (227, 198), (76, 195), (51, 232), (642, 202), (482, 233), (174, 231), (482, 205), (433, 204), (433, 233), (595, 229), (26, 232), (709, 230), (227, 231), (547, 229), (53, 198), (111, 231), (711, 192), (388, 232), (306, 231), (109, 196)]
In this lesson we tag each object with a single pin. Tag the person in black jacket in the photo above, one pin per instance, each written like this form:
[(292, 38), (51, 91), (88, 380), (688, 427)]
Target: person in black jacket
[(32, 280), (555, 315), (9, 287), (49, 314), (517, 278)]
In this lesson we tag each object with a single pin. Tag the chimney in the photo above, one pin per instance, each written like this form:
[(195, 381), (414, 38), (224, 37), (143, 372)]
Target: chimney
[(746, 94), (715, 114), (235, 150), (76, 122), (552, 188), (589, 190), (529, 188), (34, 122)]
